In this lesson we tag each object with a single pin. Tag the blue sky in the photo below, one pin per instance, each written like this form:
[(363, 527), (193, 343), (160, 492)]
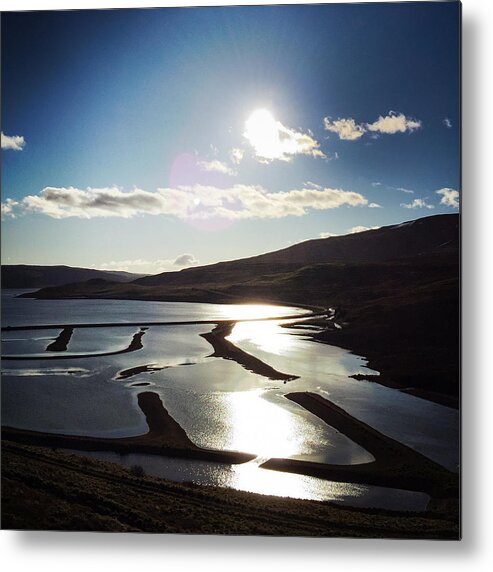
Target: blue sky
[(132, 138)]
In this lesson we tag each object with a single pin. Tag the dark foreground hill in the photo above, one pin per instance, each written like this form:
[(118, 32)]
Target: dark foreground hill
[(395, 291), (45, 489), (32, 276)]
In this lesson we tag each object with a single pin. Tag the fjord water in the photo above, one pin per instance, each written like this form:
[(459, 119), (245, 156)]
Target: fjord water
[(218, 402)]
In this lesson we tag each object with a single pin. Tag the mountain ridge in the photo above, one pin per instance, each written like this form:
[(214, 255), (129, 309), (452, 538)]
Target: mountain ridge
[(42, 276)]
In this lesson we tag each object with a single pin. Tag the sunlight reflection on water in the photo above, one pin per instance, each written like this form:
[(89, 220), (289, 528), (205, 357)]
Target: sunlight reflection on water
[(218, 402), (250, 478)]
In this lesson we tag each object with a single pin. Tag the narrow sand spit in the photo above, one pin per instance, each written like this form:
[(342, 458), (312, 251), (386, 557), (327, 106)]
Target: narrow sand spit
[(225, 349), (395, 465)]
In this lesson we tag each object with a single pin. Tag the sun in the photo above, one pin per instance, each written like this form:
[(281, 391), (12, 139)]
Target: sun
[(262, 131)]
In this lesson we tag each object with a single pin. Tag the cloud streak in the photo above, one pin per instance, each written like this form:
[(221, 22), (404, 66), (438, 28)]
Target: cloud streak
[(13, 142), (142, 266), (417, 204), (216, 166), (198, 202)]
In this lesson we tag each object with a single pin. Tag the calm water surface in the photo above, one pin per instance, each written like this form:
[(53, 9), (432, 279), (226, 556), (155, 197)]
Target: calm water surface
[(218, 402)]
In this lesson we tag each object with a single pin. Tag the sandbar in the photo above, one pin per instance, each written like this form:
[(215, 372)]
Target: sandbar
[(165, 437), (225, 349), (395, 464)]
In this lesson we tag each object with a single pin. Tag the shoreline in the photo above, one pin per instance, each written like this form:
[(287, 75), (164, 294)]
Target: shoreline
[(160, 323), (165, 437)]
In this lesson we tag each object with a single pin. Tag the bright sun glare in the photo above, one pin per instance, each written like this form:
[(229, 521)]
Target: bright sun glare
[(262, 130)]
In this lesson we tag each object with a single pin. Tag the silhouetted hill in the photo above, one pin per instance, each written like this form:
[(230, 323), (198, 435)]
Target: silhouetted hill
[(32, 276), (428, 235)]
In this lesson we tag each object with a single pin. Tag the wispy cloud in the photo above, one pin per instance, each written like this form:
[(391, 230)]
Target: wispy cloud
[(272, 140), (417, 204), (217, 166), (346, 129), (14, 142), (447, 123), (142, 266), (391, 188), (313, 185), (394, 123), (450, 197), (374, 206), (327, 234), (186, 202)]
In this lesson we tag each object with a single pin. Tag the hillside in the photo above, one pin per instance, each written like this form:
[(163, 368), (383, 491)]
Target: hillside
[(47, 489), (31, 276), (428, 235)]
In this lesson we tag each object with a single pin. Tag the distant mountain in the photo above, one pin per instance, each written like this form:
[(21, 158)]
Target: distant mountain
[(32, 276)]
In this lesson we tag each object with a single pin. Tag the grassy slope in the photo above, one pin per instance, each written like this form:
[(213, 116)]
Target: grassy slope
[(44, 489)]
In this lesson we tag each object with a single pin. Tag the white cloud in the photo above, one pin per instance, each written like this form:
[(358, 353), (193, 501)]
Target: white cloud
[(394, 123), (450, 197), (346, 129), (185, 260), (447, 123), (374, 206), (417, 204), (142, 266), (14, 142), (327, 234), (272, 140), (237, 155), (8, 208), (360, 228), (349, 130), (403, 190), (103, 202), (217, 166), (186, 202), (376, 184)]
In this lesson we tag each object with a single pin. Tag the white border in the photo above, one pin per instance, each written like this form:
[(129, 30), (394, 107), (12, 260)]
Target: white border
[(84, 552)]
